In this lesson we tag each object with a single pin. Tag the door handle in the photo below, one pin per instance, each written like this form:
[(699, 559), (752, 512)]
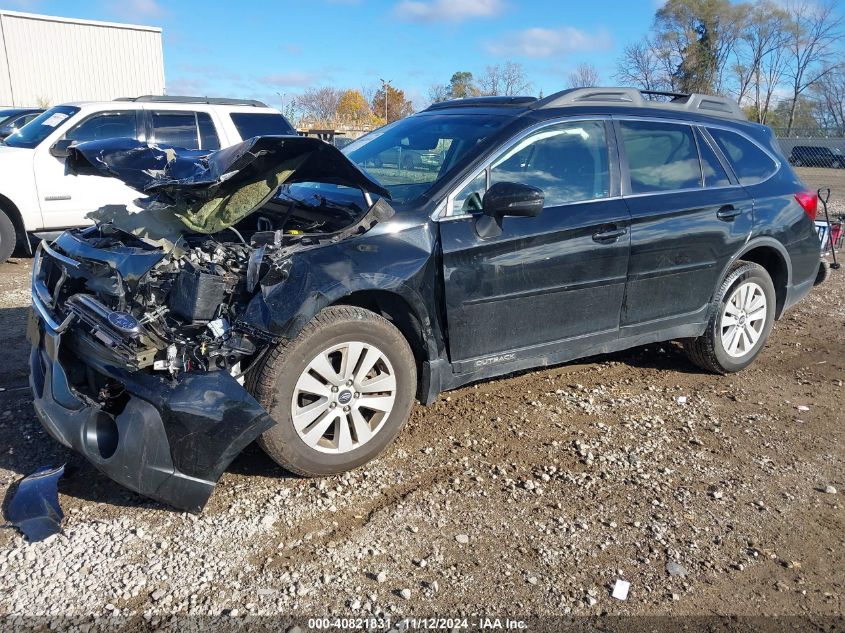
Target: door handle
[(728, 212), (608, 235)]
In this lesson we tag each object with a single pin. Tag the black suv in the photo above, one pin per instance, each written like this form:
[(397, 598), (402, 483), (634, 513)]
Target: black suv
[(812, 156), (282, 291)]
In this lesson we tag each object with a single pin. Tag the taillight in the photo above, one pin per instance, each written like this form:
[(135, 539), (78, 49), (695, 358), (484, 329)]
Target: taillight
[(809, 201)]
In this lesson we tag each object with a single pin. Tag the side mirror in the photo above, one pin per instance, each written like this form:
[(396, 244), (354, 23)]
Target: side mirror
[(60, 147), (507, 199)]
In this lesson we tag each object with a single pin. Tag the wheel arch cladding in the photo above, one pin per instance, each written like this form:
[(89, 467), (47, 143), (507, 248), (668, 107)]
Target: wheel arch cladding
[(396, 309), (776, 265)]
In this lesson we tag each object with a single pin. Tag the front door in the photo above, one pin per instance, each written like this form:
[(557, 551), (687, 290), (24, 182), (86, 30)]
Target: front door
[(66, 199), (547, 279), (688, 217)]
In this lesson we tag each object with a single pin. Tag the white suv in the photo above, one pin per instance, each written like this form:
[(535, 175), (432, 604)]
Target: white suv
[(38, 198)]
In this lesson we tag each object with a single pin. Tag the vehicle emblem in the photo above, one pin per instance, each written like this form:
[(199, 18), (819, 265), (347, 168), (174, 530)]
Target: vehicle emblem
[(123, 321), (344, 397)]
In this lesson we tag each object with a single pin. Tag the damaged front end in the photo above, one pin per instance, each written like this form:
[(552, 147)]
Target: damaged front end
[(141, 330)]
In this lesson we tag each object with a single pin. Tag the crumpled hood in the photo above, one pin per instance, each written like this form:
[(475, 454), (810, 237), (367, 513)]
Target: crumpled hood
[(211, 191)]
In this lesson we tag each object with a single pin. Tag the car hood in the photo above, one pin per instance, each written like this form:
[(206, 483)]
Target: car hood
[(210, 191)]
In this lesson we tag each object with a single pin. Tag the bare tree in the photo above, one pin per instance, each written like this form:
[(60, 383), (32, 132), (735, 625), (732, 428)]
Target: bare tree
[(438, 93), (508, 79), (830, 94), (584, 76), (319, 105), (759, 44), (814, 30), (644, 66)]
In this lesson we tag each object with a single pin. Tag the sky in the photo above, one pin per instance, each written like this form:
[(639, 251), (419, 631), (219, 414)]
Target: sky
[(274, 50)]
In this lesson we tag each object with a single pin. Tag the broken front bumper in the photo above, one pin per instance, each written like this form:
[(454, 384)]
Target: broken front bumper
[(173, 438)]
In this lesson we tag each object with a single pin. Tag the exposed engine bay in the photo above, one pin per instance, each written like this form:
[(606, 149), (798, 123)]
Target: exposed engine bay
[(179, 310), (148, 293)]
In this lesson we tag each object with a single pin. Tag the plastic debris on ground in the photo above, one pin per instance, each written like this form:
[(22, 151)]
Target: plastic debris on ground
[(620, 589), (35, 509)]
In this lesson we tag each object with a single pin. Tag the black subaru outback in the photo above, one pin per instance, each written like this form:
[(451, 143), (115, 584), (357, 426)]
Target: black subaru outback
[(285, 292)]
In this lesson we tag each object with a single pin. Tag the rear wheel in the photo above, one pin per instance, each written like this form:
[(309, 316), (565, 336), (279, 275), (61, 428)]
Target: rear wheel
[(8, 237), (340, 392), (740, 320)]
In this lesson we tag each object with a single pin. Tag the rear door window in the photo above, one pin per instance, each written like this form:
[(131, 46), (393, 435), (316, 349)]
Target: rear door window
[(750, 163), (176, 129), (661, 156), (261, 124)]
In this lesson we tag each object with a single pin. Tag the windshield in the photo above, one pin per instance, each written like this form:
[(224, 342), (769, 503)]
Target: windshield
[(409, 156), (40, 127)]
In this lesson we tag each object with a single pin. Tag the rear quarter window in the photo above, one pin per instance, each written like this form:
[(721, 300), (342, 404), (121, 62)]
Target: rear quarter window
[(261, 124), (750, 163)]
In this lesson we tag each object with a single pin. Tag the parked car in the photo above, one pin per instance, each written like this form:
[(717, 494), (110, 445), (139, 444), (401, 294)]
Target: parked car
[(586, 222), (15, 118), (812, 156), (38, 198)]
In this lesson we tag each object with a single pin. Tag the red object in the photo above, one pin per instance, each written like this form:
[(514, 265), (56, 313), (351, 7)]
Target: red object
[(809, 201)]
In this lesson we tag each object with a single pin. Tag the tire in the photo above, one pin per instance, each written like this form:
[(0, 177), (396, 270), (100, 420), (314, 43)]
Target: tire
[(283, 383), (709, 351), (8, 237)]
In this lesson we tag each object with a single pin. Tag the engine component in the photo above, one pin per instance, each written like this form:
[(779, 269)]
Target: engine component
[(196, 295)]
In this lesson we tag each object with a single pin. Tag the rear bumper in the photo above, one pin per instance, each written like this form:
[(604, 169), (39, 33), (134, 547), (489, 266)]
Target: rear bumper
[(171, 441)]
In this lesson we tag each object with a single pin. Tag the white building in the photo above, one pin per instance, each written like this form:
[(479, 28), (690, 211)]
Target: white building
[(47, 60)]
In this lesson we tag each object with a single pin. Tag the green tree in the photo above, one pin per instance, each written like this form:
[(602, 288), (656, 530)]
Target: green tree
[(697, 37), (391, 105), (461, 85)]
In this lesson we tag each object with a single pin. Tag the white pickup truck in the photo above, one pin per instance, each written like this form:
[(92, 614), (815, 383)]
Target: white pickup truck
[(38, 198)]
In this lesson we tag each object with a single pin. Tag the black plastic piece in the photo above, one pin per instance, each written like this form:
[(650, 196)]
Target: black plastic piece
[(196, 295), (35, 509)]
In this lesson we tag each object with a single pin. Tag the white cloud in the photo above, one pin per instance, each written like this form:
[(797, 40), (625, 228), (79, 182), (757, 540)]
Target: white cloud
[(542, 42), (447, 10)]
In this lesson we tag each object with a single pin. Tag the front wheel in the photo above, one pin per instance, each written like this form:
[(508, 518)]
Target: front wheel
[(8, 237), (741, 317), (339, 392)]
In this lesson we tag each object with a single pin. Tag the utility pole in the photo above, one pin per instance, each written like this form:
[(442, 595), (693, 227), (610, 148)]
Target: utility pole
[(384, 85)]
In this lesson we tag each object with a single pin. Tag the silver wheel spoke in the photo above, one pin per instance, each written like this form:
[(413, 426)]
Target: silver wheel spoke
[(752, 334), (362, 427), (370, 359), (384, 382), (343, 436), (306, 415), (308, 384), (377, 403), (350, 359), (319, 429), (759, 313), (322, 366)]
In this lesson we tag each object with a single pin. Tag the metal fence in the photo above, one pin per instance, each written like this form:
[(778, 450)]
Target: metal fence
[(823, 148)]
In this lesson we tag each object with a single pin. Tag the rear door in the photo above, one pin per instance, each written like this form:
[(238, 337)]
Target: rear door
[(555, 277), (688, 217)]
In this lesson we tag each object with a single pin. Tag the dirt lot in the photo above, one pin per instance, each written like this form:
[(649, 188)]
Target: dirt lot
[(528, 495)]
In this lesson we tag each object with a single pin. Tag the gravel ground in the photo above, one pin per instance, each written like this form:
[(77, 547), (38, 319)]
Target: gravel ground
[(529, 495)]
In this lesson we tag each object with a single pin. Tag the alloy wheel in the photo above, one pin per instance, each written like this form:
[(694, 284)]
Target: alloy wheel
[(343, 397), (743, 319)]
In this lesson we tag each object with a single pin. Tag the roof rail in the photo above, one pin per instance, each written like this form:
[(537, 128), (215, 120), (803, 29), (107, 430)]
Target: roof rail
[(703, 104), (482, 101), (207, 100)]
